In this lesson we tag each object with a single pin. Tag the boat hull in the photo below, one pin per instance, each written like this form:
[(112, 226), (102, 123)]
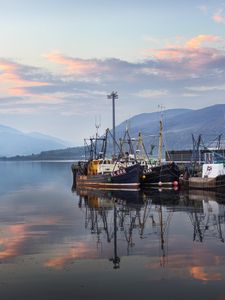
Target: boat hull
[(127, 178), (206, 183), (165, 175)]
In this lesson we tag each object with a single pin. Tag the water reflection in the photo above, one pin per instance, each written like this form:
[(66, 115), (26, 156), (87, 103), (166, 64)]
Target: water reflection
[(57, 244), (125, 218), (209, 221)]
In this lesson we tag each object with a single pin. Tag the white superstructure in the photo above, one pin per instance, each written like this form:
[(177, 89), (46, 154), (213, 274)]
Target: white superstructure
[(213, 170)]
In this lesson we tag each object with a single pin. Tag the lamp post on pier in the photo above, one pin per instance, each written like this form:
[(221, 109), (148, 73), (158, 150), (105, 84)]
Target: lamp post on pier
[(113, 96)]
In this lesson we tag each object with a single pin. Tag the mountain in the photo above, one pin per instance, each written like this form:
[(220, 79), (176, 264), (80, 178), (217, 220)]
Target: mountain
[(42, 136), (149, 119), (179, 125), (15, 142)]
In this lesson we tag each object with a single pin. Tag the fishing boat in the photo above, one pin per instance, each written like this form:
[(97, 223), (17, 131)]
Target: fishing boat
[(210, 174), (113, 177), (163, 175), (157, 173), (213, 177), (153, 172), (100, 171), (105, 173)]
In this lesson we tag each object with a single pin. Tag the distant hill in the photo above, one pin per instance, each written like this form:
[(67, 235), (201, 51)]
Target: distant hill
[(179, 125), (15, 142), (73, 153), (146, 120)]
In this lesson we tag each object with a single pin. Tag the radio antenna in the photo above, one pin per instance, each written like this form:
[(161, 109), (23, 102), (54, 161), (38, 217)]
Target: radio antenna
[(97, 124)]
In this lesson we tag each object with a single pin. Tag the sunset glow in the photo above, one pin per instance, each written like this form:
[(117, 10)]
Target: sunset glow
[(201, 274), (72, 61), (77, 251)]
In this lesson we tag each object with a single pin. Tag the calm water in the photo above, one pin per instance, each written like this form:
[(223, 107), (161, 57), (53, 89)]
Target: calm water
[(58, 243)]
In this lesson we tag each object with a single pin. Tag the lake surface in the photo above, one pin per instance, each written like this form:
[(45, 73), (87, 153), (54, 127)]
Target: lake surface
[(59, 243)]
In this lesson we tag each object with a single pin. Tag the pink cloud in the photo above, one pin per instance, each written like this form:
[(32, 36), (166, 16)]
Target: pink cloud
[(219, 16), (197, 41), (190, 57), (190, 48), (174, 54), (73, 65), (12, 80)]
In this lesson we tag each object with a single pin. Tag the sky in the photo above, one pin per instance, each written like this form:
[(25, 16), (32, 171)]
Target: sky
[(59, 59)]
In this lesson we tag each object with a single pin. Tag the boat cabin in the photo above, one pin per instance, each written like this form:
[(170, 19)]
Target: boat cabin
[(100, 166), (213, 170)]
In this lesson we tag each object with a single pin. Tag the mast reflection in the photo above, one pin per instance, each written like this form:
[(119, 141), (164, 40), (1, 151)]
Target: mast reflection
[(137, 222), (210, 221), (127, 216)]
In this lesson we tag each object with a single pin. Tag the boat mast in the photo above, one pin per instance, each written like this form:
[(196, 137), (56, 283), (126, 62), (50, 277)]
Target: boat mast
[(160, 137), (92, 150), (97, 126), (113, 96), (141, 147), (104, 144)]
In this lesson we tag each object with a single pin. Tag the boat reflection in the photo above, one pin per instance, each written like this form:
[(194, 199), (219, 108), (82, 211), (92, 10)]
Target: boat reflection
[(130, 216), (209, 222), (137, 223), (107, 212)]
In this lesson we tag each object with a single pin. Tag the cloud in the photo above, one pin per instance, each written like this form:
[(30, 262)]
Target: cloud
[(206, 88), (16, 77), (181, 68), (73, 65), (17, 110), (204, 8), (7, 100), (191, 48), (197, 41), (151, 93), (219, 16), (190, 59), (189, 95), (96, 71), (187, 60), (19, 73)]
